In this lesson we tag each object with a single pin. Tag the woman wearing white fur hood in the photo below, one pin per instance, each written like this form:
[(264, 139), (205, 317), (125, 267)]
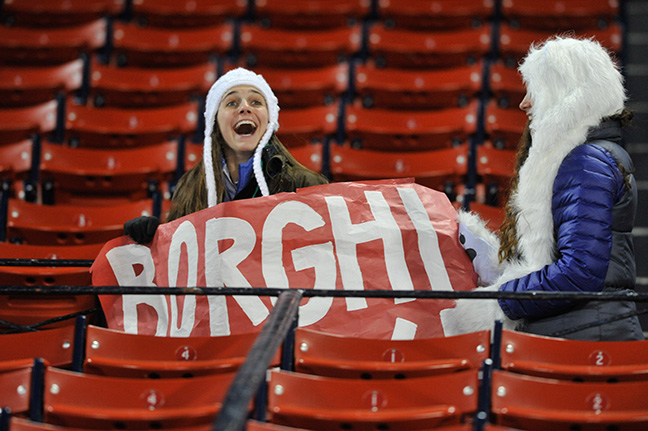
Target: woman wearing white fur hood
[(569, 219)]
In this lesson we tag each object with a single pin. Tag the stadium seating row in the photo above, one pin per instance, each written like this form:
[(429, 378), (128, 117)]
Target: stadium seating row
[(524, 381), (318, 13)]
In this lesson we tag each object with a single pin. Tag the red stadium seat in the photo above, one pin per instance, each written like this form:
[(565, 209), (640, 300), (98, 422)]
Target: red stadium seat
[(506, 85), (424, 14), (309, 155), (57, 13), (310, 14), (534, 403), (21, 123), (186, 13), (495, 168), (31, 309), (301, 88), (15, 390), (427, 49), (118, 354), (439, 169), (15, 160), (303, 126), (131, 87), (262, 47), (135, 46), (331, 355), (575, 360), (87, 401), (411, 89), (392, 130), (193, 154), (87, 126), (55, 346), (61, 224), (119, 175), (47, 46), (315, 402), (32, 276), (504, 127), (23, 86), (555, 15), (515, 43)]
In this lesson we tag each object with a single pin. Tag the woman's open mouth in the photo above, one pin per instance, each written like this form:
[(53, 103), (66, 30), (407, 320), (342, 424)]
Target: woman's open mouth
[(245, 128)]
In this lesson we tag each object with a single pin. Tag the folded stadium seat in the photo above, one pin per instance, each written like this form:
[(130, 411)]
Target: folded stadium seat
[(87, 176), (424, 14), (412, 89), (15, 160), (514, 43), (331, 355), (57, 13), (54, 346), (47, 46), (186, 13), (495, 169), (539, 404), (440, 169), (303, 126), (504, 127), (28, 309), (134, 87), (87, 401), (407, 130), (301, 88), (21, 123), (559, 14), (118, 354), (261, 47), (87, 126), (135, 46), (505, 85), (575, 360), (15, 390), (24, 85), (312, 14), (23, 424), (255, 425), (315, 402), (62, 224), (310, 155), (427, 49)]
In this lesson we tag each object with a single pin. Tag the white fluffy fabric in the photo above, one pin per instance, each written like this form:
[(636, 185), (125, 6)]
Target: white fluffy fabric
[(229, 80), (573, 84)]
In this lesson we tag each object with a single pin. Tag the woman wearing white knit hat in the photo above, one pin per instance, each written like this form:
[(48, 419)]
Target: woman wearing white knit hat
[(242, 157)]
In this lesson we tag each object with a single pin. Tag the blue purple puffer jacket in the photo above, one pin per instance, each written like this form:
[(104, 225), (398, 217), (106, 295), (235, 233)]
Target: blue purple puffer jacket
[(593, 213)]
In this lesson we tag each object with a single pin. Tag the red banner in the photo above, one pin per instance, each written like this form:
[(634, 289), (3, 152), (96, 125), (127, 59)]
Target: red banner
[(363, 235)]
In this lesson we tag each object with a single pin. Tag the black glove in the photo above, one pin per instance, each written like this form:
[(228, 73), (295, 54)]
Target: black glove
[(142, 229)]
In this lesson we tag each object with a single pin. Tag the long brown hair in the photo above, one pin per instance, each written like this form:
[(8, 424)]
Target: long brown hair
[(508, 231)]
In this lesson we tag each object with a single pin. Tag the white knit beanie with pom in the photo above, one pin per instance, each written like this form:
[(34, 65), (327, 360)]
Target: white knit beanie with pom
[(229, 80)]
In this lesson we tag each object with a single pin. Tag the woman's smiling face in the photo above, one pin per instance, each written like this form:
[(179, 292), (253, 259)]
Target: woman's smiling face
[(242, 119)]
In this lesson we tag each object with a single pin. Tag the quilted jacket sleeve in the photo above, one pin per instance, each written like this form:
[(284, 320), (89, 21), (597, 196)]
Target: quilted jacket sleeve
[(586, 187)]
